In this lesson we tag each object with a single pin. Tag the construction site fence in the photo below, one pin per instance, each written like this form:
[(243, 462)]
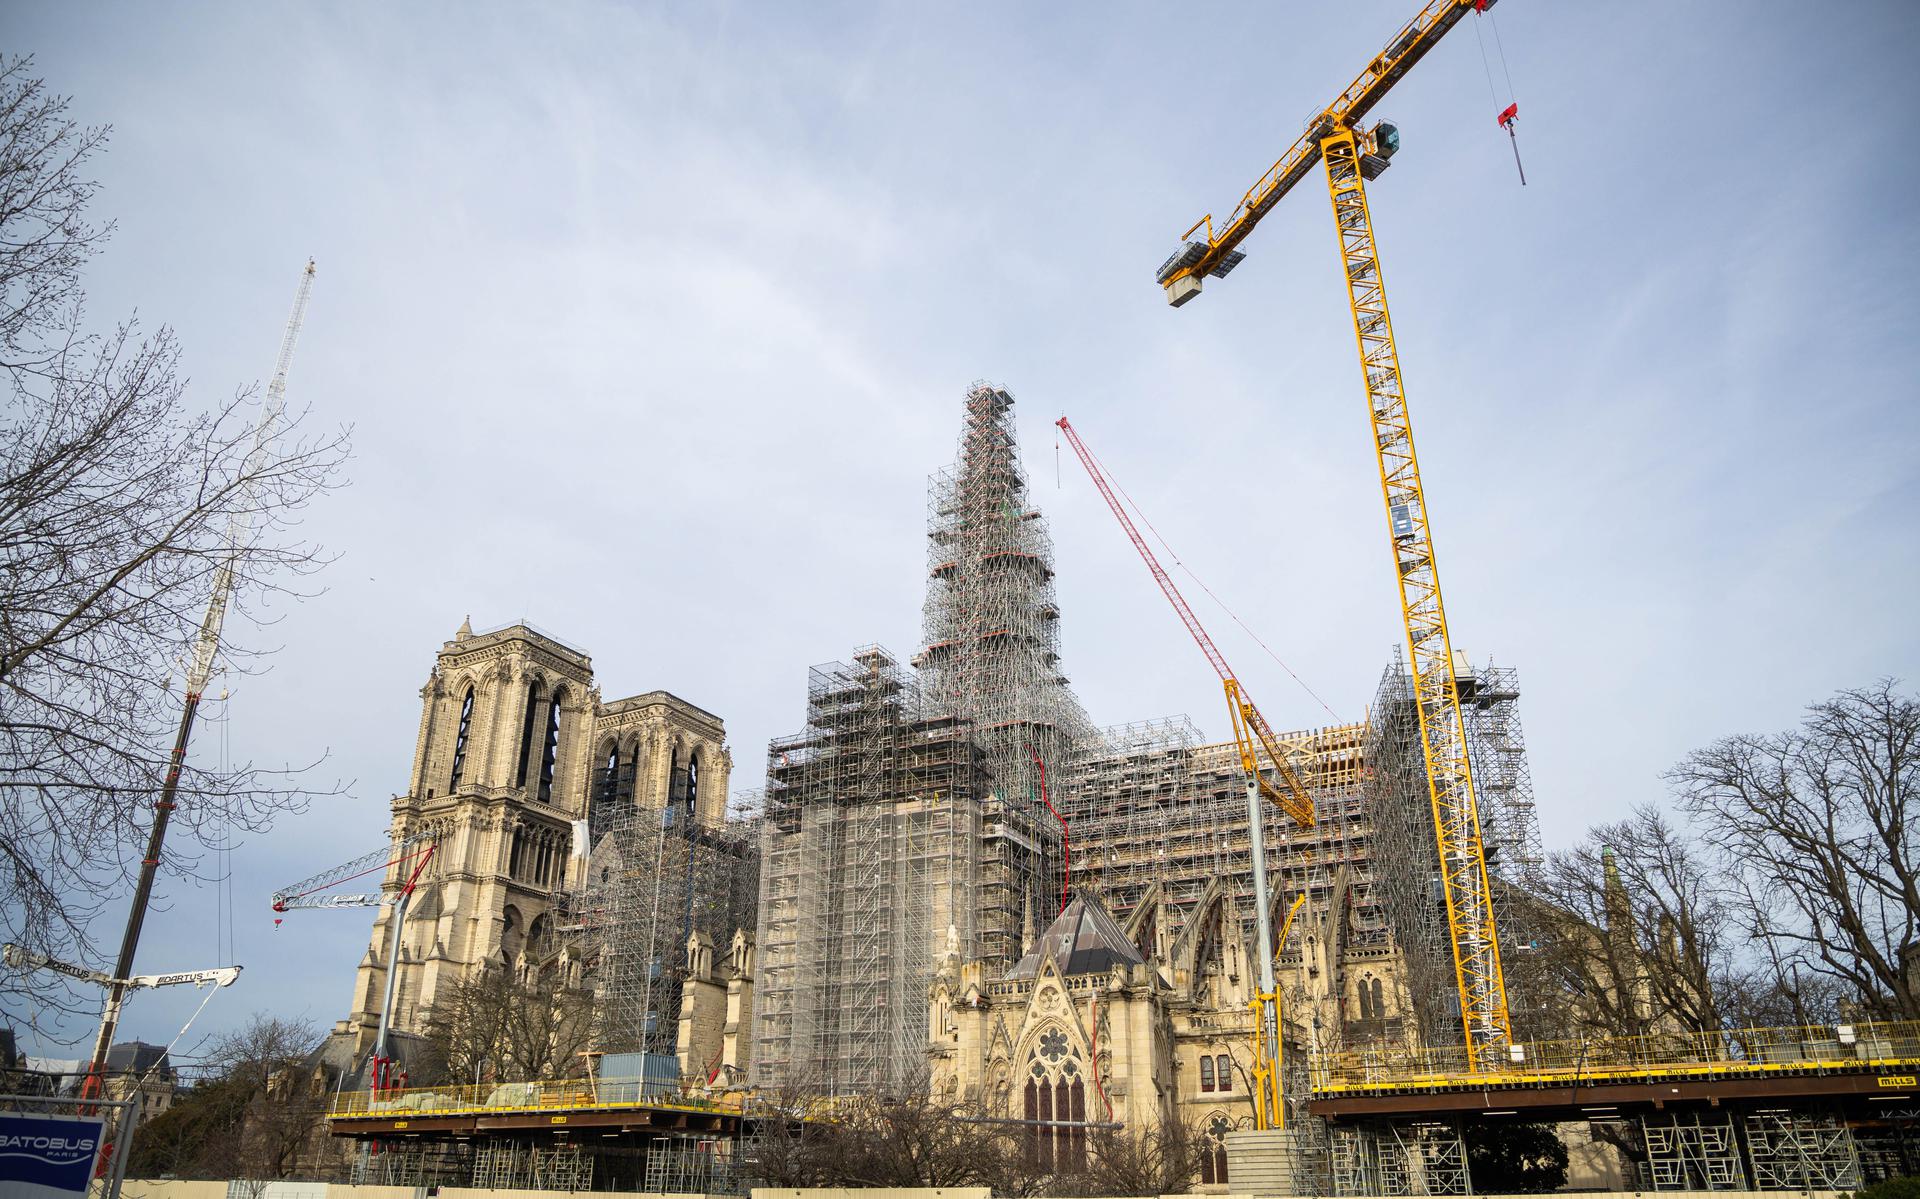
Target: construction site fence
[(526, 1096), (1726, 1052)]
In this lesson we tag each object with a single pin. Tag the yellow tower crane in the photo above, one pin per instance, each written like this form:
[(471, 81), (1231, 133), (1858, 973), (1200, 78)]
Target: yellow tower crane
[(1354, 154)]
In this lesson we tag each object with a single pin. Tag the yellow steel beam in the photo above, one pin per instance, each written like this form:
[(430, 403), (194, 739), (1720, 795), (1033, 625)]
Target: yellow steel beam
[(1443, 736), (1269, 1099), (1252, 734)]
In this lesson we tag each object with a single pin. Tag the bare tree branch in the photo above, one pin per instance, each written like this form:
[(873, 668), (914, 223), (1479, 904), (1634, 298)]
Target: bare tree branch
[(117, 499), (1818, 828)]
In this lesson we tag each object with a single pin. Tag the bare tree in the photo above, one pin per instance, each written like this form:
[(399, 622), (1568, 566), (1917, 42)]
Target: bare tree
[(1162, 1160), (494, 1025), (807, 1139), (1637, 924), (258, 1113), (1818, 828), (285, 1113), (119, 499)]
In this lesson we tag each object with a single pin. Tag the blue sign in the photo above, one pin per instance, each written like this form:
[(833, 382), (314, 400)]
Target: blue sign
[(47, 1157)]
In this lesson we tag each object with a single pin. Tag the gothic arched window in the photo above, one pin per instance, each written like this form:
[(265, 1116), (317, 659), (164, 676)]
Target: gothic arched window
[(629, 774), (610, 773), (606, 793), (1366, 1001), (460, 739), (693, 785), (526, 735), (552, 745), (1213, 1150), (1379, 1000), (1056, 1105), (1206, 1072), (1223, 1070)]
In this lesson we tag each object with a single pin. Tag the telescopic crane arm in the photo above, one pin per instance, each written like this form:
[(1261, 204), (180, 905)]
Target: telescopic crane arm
[(199, 672), (19, 957), (1250, 729)]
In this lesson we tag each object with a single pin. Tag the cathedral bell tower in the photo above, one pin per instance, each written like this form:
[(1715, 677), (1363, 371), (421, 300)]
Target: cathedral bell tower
[(500, 775)]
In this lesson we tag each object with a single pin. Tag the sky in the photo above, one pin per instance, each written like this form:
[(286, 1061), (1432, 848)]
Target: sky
[(650, 321)]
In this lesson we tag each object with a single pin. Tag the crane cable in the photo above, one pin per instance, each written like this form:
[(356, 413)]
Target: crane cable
[(1203, 586), (1509, 115)]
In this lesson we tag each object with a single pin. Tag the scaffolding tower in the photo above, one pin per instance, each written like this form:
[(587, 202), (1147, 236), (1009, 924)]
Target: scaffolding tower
[(654, 878), (991, 661), (1401, 810), (869, 815), (908, 818)]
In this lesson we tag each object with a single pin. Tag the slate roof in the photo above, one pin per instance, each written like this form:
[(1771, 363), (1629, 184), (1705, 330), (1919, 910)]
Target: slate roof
[(138, 1057), (1083, 939)]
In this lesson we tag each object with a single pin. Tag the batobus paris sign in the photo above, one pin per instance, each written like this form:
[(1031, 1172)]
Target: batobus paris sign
[(47, 1157)]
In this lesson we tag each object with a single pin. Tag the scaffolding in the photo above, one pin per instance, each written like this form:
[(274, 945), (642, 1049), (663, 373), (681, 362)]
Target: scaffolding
[(1151, 809), (871, 826), (907, 819), (696, 1165), (1801, 1151), (991, 660), (1688, 1153), (1386, 1158), (654, 878), (1401, 812), (413, 1163)]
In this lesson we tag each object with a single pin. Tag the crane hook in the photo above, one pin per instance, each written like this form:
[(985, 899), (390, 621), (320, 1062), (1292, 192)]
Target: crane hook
[(1508, 117)]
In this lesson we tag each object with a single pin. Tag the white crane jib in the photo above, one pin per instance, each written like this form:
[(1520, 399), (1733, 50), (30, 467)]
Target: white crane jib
[(19, 957), (317, 892)]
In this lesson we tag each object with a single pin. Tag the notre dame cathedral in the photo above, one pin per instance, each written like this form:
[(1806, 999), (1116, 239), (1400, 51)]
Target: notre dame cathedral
[(531, 786)]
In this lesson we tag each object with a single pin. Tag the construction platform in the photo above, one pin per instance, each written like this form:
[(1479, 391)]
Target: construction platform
[(576, 1135), (1827, 1108), (1878, 1058), (521, 1105)]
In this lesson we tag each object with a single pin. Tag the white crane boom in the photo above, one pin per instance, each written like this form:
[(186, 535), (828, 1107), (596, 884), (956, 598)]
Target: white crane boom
[(206, 647), (18, 957)]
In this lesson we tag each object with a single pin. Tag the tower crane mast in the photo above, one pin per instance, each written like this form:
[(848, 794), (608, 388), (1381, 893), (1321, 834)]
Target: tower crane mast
[(1352, 156), (199, 671)]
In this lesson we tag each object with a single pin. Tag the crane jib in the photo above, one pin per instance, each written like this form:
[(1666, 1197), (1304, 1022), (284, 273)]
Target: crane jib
[(1217, 255)]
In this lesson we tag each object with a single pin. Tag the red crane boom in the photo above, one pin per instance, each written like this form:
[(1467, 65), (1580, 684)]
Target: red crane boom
[(1249, 726)]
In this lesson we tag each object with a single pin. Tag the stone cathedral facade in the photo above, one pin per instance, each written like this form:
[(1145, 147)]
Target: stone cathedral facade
[(516, 759)]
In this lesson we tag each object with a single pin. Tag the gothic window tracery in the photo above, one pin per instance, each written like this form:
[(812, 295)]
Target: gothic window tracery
[(1055, 1095), (1213, 1149)]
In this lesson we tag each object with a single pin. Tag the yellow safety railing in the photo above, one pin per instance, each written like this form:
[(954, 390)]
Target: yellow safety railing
[(1858, 1046), (566, 1095)]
